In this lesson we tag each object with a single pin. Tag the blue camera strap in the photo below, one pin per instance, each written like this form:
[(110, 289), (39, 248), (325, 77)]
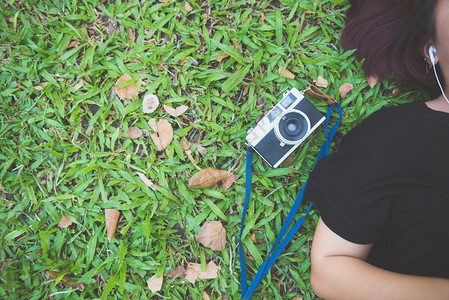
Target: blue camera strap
[(281, 242)]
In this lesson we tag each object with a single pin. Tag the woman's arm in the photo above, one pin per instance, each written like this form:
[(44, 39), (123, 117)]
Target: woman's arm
[(340, 271)]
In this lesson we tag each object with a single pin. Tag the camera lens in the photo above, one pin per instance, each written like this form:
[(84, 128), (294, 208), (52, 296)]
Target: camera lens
[(293, 126)]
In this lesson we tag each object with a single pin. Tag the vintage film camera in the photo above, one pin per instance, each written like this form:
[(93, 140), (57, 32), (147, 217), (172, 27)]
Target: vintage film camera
[(284, 128)]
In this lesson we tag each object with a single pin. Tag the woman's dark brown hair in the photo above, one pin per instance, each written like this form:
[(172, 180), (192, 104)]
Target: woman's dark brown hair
[(390, 35)]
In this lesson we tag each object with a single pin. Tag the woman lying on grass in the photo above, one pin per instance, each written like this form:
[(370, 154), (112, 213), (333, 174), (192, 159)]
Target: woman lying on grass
[(384, 196)]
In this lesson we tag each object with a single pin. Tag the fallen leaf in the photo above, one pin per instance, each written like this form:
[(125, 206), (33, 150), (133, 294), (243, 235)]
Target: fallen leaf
[(321, 82), (345, 88), (150, 103), (206, 296), (179, 272), (185, 144), (221, 57), (38, 88), (208, 177), (188, 7), (212, 235), (147, 182), (134, 133), (65, 279), (285, 73), (73, 44), (164, 1), (78, 86), (55, 274), (175, 112), (372, 80), (193, 271), (75, 285), (64, 222), (396, 92), (164, 134), (253, 238), (155, 283), (192, 160), (229, 181), (262, 16), (153, 124), (127, 92), (111, 218)]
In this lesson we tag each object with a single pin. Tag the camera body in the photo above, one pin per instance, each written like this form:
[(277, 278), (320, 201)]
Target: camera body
[(284, 127)]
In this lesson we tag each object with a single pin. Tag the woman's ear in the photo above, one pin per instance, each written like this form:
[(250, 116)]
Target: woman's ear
[(427, 48)]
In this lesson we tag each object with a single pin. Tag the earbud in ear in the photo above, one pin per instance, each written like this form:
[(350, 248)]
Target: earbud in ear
[(432, 52)]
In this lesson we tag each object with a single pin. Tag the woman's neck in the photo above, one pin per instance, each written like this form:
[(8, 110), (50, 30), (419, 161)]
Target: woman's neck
[(438, 104)]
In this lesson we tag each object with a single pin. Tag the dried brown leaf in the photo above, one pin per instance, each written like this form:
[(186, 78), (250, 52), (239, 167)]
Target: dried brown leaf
[(153, 124), (345, 88), (262, 16), (38, 88), (221, 57), (147, 182), (185, 144), (78, 86), (55, 274), (155, 283), (127, 92), (73, 44), (229, 181), (156, 141), (175, 112), (111, 218), (206, 296), (134, 133), (150, 103), (372, 80), (164, 134), (64, 222), (193, 271), (188, 7), (321, 82), (179, 272), (192, 160), (253, 238), (208, 177), (212, 235), (396, 92), (285, 73), (75, 285)]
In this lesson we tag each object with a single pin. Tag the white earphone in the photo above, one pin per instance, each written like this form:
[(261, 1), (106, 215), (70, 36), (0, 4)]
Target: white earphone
[(432, 52)]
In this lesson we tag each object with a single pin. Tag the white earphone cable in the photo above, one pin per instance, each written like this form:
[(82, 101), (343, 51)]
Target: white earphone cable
[(432, 59)]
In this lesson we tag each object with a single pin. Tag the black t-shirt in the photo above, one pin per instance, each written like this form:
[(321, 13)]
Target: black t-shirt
[(389, 185)]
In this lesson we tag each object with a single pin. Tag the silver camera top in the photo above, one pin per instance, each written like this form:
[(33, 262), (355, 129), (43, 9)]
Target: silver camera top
[(284, 127)]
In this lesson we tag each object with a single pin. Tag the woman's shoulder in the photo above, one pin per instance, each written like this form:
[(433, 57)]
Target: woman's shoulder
[(388, 123)]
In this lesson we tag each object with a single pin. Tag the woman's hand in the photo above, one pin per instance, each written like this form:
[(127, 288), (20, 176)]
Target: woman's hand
[(340, 271)]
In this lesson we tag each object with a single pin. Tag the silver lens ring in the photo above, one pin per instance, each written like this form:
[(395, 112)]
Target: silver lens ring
[(292, 127)]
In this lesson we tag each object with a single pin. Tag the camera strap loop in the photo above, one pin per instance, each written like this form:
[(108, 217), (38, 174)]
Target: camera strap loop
[(281, 241), (315, 92)]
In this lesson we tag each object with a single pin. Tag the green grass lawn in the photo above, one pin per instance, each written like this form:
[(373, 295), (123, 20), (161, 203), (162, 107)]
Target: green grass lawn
[(65, 147)]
